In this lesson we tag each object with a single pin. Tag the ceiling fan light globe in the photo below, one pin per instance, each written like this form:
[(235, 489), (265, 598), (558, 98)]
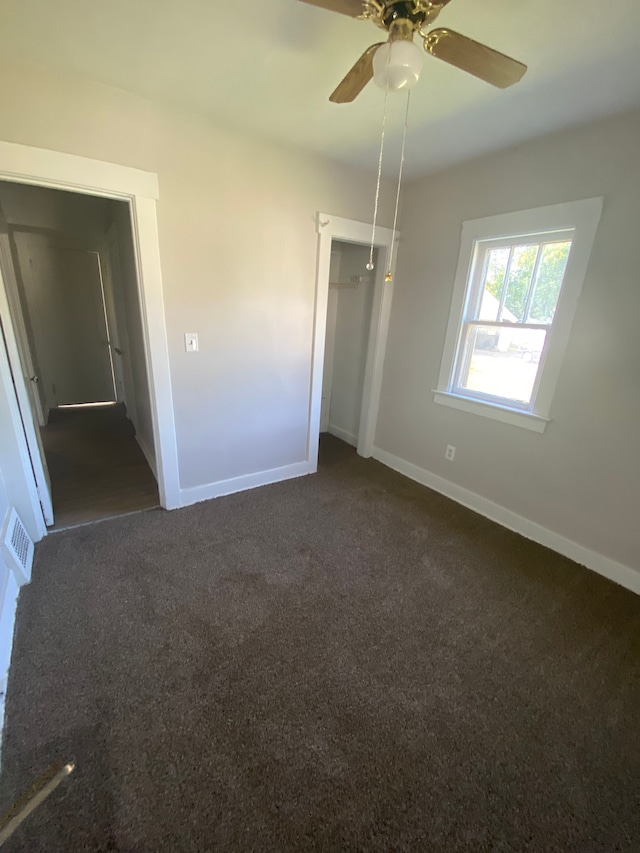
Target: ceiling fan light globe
[(397, 65)]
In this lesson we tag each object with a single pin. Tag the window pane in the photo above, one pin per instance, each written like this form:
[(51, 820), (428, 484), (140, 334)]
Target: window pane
[(551, 269), (522, 265), (502, 362), (497, 261)]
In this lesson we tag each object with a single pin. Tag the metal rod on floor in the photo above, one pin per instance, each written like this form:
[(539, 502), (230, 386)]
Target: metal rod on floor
[(32, 797)]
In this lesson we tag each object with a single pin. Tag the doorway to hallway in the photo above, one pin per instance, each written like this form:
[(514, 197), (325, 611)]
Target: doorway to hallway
[(68, 263)]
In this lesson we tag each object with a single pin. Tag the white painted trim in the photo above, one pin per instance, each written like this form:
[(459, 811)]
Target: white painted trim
[(34, 465), (580, 216), (7, 623), (147, 251), (247, 481), (351, 439), (54, 169), (148, 455), (19, 329), (617, 572), (331, 228), (7, 380), (491, 410), (27, 165)]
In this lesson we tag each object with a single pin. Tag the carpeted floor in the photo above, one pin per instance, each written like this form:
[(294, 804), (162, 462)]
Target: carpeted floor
[(344, 662)]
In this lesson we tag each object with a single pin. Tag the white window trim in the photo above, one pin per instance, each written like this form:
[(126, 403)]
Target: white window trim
[(582, 217)]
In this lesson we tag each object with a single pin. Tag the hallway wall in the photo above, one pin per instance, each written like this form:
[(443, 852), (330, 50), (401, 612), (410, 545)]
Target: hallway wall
[(139, 410)]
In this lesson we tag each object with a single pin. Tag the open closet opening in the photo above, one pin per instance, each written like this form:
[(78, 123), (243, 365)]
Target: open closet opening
[(349, 309)]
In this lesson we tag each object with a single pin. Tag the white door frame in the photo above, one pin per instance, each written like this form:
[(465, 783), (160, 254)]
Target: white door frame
[(7, 271), (23, 414), (27, 165), (331, 228)]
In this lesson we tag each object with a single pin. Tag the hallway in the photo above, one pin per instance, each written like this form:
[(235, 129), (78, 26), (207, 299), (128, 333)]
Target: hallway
[(96, 466)]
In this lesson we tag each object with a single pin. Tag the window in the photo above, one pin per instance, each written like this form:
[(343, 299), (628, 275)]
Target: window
[(513, 296), (518, 280)]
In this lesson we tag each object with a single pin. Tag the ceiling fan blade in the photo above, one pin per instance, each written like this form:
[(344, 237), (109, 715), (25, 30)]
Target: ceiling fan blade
[(475, 58), (353, 8), (355, 81)]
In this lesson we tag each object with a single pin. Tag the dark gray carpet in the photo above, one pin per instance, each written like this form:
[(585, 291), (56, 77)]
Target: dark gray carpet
[(345, 662)]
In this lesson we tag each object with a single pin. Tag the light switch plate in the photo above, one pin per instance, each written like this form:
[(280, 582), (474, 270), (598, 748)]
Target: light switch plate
[(191, 342)]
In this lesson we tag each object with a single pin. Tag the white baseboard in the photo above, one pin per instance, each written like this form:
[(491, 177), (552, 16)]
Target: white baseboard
[(247, 481), (7, 622), (343, 434), (148, 454), (618, 572)]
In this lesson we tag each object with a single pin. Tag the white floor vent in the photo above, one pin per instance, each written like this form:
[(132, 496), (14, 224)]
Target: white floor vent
[(17, 546)]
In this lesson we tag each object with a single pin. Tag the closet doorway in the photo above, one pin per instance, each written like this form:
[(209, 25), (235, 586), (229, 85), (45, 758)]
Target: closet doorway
[(349, 345), (349, 306)]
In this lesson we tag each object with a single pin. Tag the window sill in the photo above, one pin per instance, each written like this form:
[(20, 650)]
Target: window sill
[(515, 417)]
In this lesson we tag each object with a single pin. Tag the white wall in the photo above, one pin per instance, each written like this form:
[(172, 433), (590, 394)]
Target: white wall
[(238, 250), (348, 322), (581, 478)]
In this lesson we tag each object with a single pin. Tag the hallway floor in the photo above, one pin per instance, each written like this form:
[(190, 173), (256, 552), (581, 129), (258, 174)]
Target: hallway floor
[(96, 466)]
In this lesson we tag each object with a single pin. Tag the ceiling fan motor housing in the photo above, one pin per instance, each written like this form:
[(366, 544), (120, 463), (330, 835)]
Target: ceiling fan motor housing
[(404, 11)]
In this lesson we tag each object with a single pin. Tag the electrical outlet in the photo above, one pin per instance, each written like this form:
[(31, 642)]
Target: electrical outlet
[(450, 453), (191, 342)]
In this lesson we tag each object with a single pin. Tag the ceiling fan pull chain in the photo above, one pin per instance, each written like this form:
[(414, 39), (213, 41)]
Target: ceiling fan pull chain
[(371, 265), (389, 276)]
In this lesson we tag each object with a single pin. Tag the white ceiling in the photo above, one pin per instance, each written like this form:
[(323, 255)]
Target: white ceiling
[(268, 67)]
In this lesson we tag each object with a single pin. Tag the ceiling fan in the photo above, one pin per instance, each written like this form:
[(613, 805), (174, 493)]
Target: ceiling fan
[(396, 63)]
